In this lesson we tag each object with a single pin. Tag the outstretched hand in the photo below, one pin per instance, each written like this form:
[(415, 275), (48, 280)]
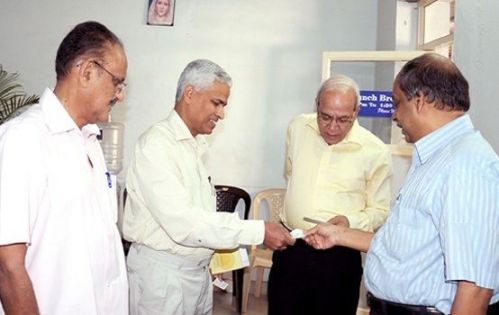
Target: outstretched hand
[(277, 237), (324, 236)]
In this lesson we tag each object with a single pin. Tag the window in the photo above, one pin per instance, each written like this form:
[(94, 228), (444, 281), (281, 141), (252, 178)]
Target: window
[(373, 71), (436, 26)]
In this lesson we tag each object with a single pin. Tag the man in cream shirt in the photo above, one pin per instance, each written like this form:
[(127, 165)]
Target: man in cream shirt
[(337, 171), (170, 215)]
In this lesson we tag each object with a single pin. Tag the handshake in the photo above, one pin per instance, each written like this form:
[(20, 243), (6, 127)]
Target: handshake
[(323, 235)]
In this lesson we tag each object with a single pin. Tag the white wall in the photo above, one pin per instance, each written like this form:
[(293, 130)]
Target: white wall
[(272, 49), (476, 52)]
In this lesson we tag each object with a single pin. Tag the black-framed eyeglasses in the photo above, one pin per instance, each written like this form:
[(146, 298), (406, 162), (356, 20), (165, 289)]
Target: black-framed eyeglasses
[(118, 83), (341, 121)]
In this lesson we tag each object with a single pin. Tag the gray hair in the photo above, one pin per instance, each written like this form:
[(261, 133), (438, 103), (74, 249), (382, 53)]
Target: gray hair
[(201, 74), (340, 82)]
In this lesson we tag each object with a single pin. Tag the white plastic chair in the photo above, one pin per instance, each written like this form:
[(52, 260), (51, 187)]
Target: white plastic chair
[(261, 257)]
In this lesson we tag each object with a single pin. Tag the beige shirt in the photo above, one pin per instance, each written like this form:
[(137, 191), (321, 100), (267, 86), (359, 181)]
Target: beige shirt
[(350, 178), (171, 204)]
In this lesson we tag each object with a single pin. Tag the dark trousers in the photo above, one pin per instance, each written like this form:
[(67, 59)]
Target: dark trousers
[(382, 307), (304, 280), (493, 309), (375, 311)]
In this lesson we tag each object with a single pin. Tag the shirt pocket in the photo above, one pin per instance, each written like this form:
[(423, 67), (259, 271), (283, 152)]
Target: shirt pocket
[(406, 217), (345, 183), (343, 195)]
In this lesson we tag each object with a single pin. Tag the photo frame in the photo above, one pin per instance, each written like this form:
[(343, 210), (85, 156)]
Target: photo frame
[(160, 12)]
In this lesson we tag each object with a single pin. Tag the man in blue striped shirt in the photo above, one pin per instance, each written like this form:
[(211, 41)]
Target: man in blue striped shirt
[(438, 252)]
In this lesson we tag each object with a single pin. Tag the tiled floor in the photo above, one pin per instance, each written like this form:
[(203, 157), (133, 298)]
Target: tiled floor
[(225, 304)]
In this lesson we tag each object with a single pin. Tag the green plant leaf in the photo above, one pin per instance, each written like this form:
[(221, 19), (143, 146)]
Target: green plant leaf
[(12, 95)]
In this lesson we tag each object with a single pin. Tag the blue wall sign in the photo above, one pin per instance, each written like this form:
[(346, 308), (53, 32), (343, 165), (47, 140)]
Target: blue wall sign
[(376, 104)]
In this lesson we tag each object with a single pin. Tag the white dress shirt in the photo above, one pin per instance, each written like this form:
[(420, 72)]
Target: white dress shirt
[(56, 196), (171, 203)]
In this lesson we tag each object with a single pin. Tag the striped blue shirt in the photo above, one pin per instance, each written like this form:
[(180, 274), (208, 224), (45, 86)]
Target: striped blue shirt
[(444, 226)]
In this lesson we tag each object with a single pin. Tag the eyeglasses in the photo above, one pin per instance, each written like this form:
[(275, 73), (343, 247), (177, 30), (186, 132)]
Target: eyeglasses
[(341, 121), (119, 84)]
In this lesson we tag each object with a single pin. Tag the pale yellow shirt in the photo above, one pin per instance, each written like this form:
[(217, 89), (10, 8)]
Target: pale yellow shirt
[(171, 204), (350, 178)]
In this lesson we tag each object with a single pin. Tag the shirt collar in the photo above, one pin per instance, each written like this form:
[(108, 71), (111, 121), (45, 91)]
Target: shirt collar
[(91, 131), (58, 119), (182, 132), (440, 138), (352, 139)]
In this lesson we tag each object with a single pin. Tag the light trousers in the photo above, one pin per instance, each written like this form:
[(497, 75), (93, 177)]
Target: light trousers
[(164, 284)]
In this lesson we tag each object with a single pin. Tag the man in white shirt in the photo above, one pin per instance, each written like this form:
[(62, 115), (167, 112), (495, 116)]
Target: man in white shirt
[(60, 250), (170, 214)]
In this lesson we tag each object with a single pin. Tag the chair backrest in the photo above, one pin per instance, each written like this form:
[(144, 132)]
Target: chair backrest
[(229, 196), (275, 203)]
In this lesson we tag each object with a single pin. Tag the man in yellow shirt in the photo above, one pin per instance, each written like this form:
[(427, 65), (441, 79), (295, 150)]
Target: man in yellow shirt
[(337, 171)]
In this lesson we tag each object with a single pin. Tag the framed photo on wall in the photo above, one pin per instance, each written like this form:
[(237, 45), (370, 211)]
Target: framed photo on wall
[(160, 12)]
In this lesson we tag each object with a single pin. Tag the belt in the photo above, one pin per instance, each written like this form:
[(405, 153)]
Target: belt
[(174, 261), (391, 308)]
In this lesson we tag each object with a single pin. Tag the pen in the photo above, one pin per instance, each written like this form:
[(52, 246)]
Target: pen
[(213, 190), (311, 220), (109, 181)]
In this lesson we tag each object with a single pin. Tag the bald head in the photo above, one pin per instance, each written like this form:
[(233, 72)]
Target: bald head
[(438, 79)]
